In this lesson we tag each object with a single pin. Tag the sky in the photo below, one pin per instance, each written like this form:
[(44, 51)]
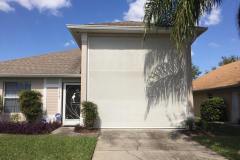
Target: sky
[(33, 27)]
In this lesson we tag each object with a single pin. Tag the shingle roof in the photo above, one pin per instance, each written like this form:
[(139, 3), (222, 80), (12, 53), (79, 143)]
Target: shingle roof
[(58, 63), (224, 76)]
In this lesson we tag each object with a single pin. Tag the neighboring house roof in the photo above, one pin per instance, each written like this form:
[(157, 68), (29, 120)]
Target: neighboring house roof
[(224, 76), (58, 64)]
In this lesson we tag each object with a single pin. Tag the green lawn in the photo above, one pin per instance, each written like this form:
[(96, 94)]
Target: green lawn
[(223, 139), (46, 147)]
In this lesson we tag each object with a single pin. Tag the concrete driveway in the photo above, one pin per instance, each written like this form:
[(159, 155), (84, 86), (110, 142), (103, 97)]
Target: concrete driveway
[(149, 145)]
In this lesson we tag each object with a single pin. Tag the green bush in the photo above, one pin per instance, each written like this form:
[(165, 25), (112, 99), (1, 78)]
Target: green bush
[(31, 105), (1, 104), (213, 109), (90, 114), (190, 123)]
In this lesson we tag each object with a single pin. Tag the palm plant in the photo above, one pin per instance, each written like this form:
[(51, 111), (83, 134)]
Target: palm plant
[(181, 15)]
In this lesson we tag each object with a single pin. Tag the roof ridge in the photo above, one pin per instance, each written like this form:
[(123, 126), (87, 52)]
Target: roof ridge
[(42, 55)]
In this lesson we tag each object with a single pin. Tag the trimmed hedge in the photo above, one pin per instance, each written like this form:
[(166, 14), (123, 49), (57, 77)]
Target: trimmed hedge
[(90, 114), (28, 128), (213, 109), (31, 105)]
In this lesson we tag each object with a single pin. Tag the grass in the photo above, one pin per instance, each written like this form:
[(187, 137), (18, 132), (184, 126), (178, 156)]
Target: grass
[(223, 139), (46, 147)]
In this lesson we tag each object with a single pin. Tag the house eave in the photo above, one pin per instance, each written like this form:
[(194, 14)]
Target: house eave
[(122, 29), (216, 88), (40, 75)]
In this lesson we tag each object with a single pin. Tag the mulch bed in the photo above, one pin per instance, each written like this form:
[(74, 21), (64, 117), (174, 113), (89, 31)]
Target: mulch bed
[(84, 130), (196, 133), (28, 128)]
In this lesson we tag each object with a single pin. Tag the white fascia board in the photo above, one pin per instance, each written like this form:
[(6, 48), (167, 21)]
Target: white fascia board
[(122, 29), (112, 29), (40, 75)]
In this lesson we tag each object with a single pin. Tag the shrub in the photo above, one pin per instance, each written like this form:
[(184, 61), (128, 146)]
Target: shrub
[(213, 109), (1, 104), (31, 105), (190, 123), (28, 128), (90, 113)]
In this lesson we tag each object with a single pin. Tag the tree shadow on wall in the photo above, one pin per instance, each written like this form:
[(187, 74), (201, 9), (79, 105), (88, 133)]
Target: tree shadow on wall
[(164, 75)]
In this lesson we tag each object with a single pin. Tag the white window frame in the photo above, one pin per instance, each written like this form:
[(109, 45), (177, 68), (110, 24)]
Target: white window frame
[(12, 97)]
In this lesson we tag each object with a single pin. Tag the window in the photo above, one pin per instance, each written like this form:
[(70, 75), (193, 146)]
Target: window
[(11, 97)]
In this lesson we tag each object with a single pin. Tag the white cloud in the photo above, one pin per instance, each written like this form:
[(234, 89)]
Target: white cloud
[(73, 42), (213, 18), (66, 44), (5, 7), (69, 43), (135, 11), (52, 6), (116, 20), (192, 53), (213, 44)]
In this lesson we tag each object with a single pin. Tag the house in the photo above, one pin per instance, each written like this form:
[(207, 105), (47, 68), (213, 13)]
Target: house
[(223, 82), (136, 82)]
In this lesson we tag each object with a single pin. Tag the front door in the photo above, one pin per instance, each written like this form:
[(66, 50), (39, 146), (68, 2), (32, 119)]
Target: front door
[(71, 104)]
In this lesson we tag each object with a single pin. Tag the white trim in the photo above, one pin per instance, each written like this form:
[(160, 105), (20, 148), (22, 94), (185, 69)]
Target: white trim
[(59, 95), (87, 69), (11, 97), (52, 85), (5, 75), (64, 121), (123, 29), (45, 94)]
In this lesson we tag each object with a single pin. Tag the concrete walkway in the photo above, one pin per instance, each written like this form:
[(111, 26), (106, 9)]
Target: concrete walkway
[(149, 145)]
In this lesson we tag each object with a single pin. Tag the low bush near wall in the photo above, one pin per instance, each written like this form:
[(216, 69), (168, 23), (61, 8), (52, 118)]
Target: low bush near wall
[(213, 109), (28, 128), (31, 105), (90, 114)]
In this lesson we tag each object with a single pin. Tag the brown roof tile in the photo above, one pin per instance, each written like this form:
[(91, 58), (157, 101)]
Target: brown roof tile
[(59, 63), (224, 76)]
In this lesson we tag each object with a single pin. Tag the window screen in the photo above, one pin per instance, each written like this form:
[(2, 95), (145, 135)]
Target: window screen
[(11, 96)]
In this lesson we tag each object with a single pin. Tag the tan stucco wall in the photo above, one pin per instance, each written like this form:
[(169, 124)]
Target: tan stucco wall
[(201, 96), (137, 83), (198, 99), (37, 84), (52, 100)]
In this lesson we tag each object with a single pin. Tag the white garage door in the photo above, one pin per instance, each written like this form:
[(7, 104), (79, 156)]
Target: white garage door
[(116, 83)]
